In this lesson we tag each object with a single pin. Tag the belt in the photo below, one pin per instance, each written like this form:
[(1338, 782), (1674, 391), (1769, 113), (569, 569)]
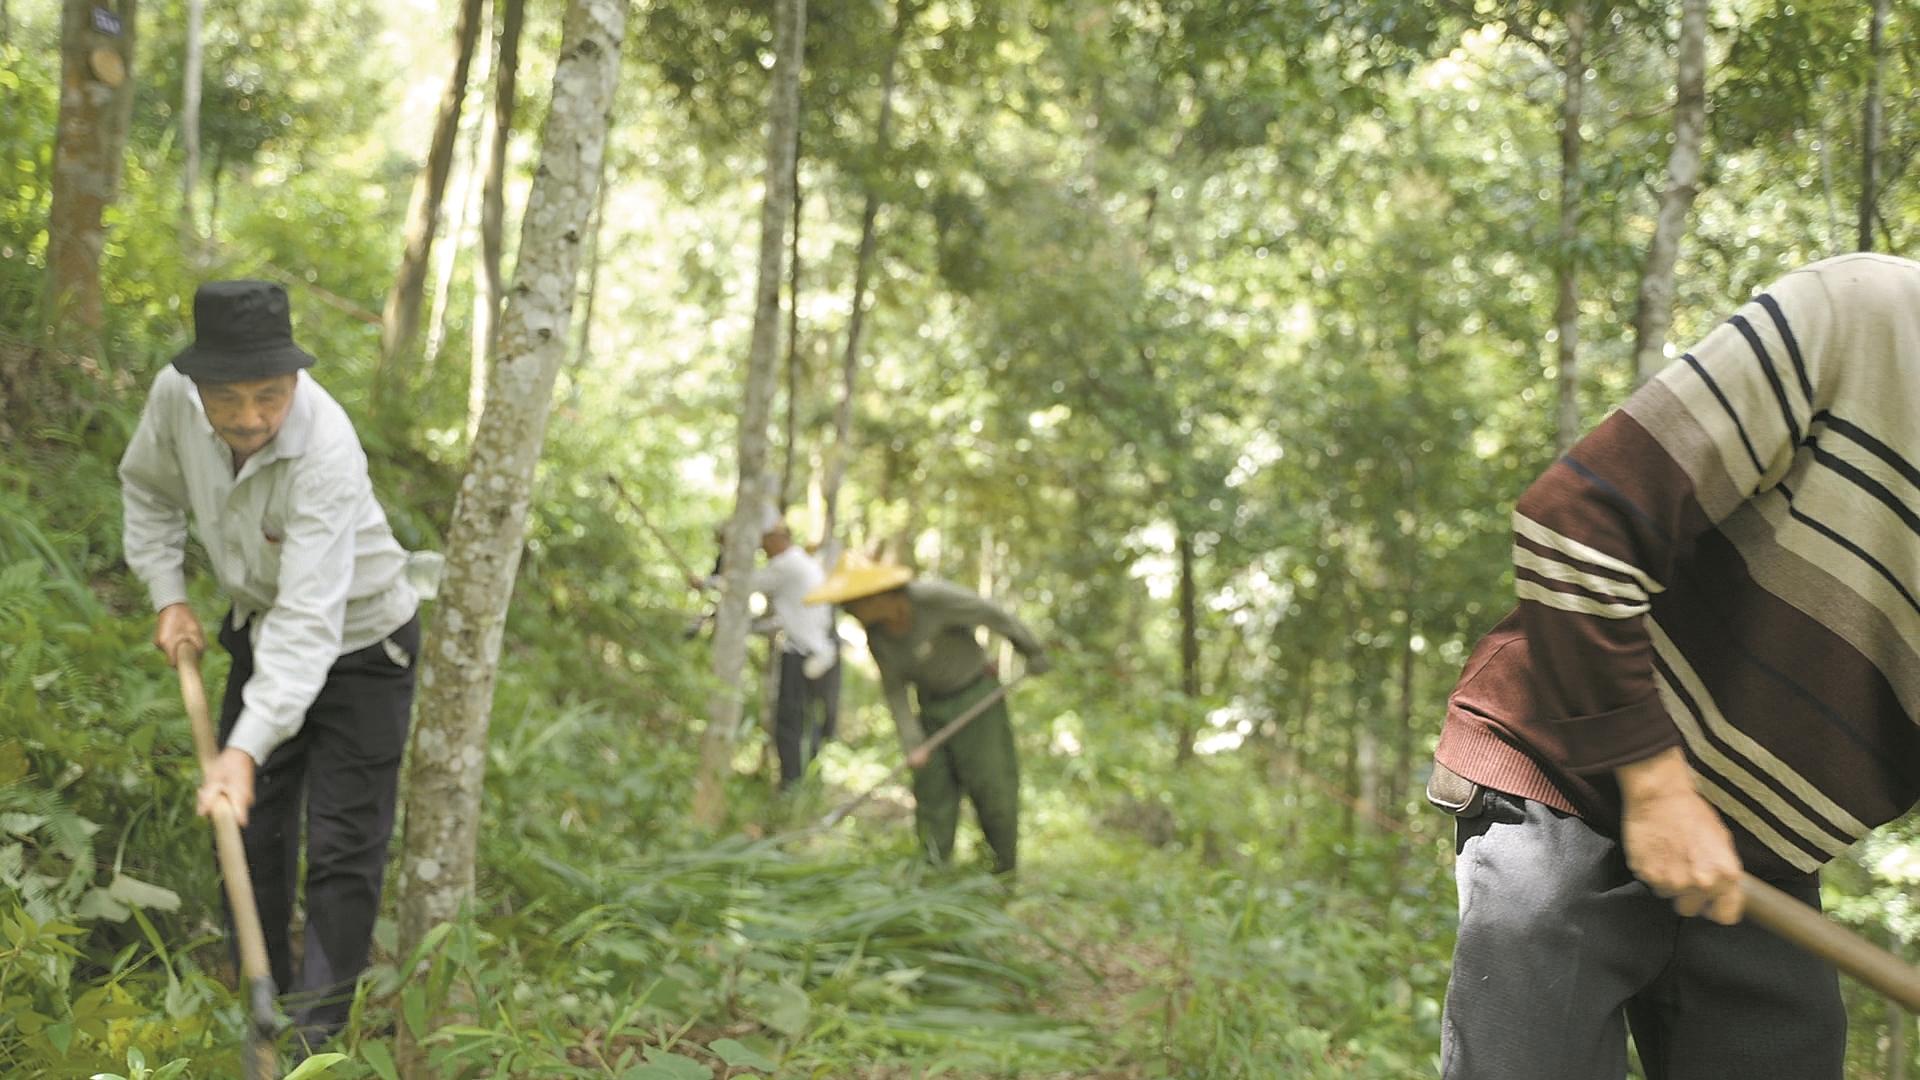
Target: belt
[(929, 696)]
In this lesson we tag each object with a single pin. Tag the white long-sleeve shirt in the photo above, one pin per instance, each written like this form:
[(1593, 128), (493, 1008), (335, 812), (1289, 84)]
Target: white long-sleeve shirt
[(785, 580), (296, 540)]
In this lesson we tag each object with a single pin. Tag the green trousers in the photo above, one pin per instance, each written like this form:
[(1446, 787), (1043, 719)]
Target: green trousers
[(978, 762)]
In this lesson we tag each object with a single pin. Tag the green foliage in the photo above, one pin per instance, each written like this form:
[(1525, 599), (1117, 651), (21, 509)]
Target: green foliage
[(1266, 283)]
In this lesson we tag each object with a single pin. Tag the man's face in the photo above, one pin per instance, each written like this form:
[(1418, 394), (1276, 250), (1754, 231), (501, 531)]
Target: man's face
[(875, 610), (777, 540), (247, 415)]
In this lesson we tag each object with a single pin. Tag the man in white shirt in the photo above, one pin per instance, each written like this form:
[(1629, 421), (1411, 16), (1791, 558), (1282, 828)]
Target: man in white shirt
[(323, 630), (809, 696)]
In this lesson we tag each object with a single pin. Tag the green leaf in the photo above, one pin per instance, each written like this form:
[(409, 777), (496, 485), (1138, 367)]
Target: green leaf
[(136, 893), (785, 1008), (100, 904), (174, 1068), (739, 1055), (317, 1065), (380, 1060), (677, 1066), (651, 1072), (413, 1004), (60, 1035)]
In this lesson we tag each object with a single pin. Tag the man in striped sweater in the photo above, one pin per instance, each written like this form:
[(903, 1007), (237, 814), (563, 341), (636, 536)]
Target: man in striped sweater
[(1714, 665)]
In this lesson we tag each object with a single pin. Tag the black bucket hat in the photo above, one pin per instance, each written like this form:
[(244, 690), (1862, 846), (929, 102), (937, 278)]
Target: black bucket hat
[(241, 330)]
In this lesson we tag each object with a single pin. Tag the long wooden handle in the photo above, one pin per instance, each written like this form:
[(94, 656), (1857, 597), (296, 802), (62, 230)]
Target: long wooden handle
[(672, 552), (1844, 949), (226, 835)]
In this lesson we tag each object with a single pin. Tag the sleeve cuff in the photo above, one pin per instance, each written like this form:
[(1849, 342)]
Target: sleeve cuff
[(250, 734), (1605, 741), (167, 590)]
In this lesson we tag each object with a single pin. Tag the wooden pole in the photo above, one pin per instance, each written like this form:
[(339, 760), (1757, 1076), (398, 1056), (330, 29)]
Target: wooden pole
[(232, 854), (1844, 949)]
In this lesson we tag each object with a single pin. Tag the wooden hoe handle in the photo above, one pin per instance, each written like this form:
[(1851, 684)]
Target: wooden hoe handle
[(1844, 949), (232, 855)]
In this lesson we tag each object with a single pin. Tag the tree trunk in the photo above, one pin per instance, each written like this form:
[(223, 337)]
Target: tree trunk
[(793, 337), (1897, 1021), (1654, 313), (589, 290), (1189, 643), (400, 322), (493, 209), (190, 77), (862, 269), (469, 162), (730, 627), (96, 108), (486, 534), (1566, 314), (1870, 124)]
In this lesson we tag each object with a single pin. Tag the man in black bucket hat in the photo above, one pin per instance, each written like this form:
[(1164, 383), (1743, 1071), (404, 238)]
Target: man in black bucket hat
[(237, 438)]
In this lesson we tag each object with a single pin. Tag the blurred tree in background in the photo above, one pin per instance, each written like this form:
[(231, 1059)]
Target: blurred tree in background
[(1215, 338)]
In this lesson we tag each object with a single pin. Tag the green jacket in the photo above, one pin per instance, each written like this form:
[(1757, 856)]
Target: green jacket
[(940, 653)]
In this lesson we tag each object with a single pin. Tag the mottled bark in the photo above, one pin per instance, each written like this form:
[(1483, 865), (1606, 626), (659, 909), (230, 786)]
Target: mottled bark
[(96, 108), (1653, 315), (730, 627), (1870, 115), (842, 451), (493, 208), (1566, 310), (484, 540), (400, 322)]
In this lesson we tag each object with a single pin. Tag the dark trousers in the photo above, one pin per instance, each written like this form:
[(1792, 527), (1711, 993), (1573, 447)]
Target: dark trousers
[(980, 763), (803, 715), (1561, 949), (344, 764)]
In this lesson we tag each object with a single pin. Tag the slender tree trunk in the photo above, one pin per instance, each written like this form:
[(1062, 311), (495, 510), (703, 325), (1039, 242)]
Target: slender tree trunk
[(96, 108), (589, 291), (1566, 314), (493, 209), (484, 540), (862, 269), (1189, 643), (1870, 123), (730, 627), (1654, 313), (793, 338), (400, 322), (470, 169), (190, 78), (6, 23), (1897, 1021), (1826, 180)]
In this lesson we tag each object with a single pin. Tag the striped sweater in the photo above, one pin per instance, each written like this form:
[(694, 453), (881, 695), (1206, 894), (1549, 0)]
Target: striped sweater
[(1729, 563)]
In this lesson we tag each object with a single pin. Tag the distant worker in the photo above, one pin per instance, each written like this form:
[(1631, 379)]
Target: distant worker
[(809, 694), (922, 633)]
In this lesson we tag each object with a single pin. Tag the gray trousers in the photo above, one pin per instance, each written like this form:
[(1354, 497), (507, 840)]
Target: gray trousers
[(1561, 948)]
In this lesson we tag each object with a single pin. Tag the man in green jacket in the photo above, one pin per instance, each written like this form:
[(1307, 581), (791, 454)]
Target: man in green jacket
[(923, 633)]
